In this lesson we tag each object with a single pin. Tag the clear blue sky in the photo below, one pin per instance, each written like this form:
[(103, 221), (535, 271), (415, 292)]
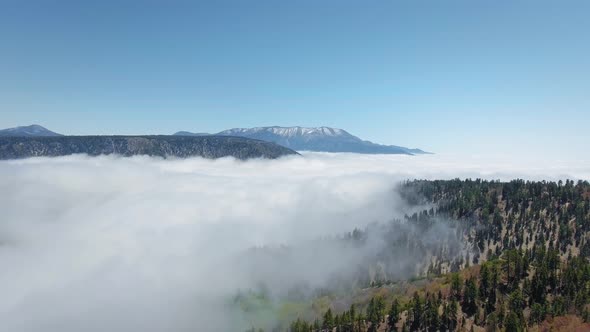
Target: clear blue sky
[(470, 75)]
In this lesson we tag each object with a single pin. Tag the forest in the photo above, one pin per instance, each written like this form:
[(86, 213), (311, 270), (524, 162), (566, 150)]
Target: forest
[(515, 258)]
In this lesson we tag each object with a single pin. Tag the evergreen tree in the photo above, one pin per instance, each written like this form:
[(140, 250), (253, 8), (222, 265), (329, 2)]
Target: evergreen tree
[(470, 297), (513, 323), (394, 315), (456, 286), (328, 322)]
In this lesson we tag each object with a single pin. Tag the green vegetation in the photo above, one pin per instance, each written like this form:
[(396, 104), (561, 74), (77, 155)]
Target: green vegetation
[(526, 262)]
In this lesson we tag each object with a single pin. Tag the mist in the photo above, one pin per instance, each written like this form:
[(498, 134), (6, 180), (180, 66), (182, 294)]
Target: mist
[(130, 244)]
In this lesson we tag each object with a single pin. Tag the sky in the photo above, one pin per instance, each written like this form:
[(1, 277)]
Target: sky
[(507, 77)]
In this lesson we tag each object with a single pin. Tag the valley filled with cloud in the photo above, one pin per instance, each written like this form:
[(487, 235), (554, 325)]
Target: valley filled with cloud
[(145, 244)]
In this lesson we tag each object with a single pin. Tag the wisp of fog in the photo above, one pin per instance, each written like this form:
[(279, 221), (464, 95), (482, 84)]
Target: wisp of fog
[(147, 244)]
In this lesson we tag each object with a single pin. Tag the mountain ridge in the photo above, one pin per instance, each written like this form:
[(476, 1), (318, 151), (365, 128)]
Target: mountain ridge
[(317, 139), (212, 147), (33, 130), (320, 139)]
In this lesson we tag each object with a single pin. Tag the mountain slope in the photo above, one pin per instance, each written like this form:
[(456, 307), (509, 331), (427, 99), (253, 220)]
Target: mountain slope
[(28, 131), (322, 139), (525, 264), (162, 146), (187, 133)]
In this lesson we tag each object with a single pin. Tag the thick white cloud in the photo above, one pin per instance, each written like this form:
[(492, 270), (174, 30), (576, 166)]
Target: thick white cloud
[(145, 244)]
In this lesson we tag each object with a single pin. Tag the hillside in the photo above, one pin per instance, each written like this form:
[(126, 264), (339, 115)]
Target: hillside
[(161, 146), (524, 264)]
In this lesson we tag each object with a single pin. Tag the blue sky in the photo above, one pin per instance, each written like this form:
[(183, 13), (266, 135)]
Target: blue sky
[(446, 76)]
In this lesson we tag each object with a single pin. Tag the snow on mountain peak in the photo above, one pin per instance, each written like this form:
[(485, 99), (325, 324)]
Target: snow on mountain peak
[(293, 131)]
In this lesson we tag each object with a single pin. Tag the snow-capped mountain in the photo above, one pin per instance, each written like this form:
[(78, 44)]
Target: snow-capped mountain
[(323, 139), (289, 131), (28, 131)]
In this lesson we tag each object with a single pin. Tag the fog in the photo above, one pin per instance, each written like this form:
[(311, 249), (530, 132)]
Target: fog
[(147, 244)]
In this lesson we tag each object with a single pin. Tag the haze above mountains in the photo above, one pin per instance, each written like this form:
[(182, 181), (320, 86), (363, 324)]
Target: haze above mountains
[(319, 139)]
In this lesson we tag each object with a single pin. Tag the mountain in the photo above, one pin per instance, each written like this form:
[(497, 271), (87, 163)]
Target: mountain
[(492, 256), (187, 133), (162, 146), (322, 139), (28, 131)]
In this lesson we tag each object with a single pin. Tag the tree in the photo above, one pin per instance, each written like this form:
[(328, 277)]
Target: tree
[(456, 286), (316, 325), (516, 302), (449, 318), (470, 297), (513, 323), (394, 314), (537, 313), (328, 320), (416, 313), (431, 319), (374, 313)]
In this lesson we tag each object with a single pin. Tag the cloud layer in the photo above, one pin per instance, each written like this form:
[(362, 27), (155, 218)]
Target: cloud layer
[(130, 244)]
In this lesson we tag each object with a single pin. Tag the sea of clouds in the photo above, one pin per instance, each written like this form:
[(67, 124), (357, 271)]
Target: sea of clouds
[(147, 244)]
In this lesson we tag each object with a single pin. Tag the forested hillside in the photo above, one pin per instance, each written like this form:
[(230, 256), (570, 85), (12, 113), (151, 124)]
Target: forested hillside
[(20, 147), (522, 263)]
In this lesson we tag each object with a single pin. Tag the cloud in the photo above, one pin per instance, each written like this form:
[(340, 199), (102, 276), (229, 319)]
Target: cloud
[(130, 244)]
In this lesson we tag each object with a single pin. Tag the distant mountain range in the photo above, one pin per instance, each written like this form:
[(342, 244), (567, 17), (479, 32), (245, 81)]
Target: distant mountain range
[(188, 133), (322, 139), (18, 147), (28, 131)]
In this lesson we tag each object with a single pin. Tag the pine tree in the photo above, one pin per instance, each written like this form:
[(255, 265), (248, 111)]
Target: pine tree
[(513, 323), (470, 297), (416, 313), (394, 314), (328, 320), (456, 286)]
